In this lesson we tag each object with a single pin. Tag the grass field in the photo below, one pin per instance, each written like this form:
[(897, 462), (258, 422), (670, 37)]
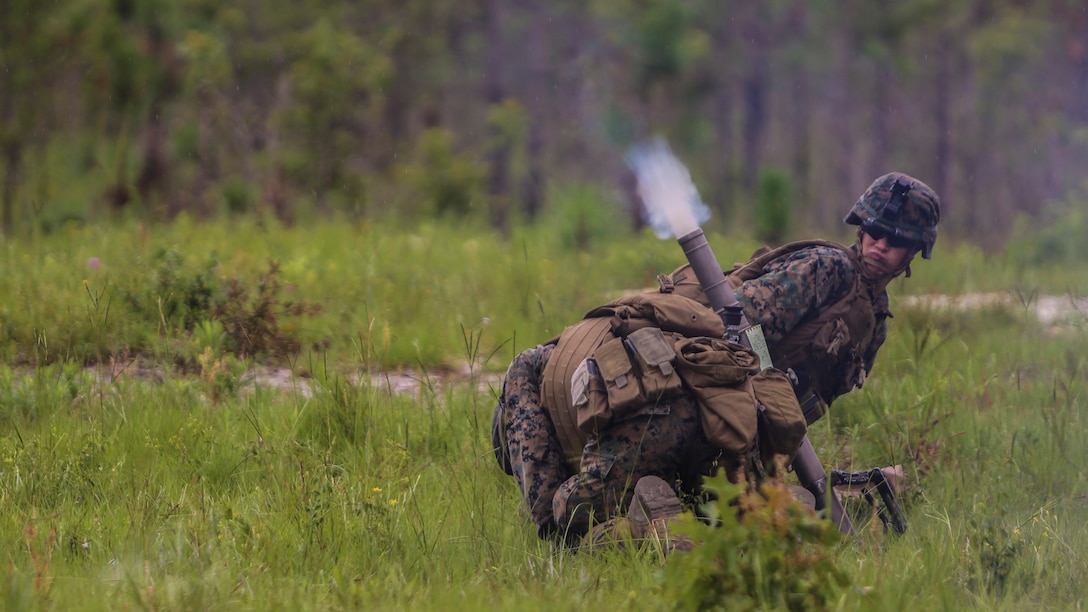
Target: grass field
[(139, 469)]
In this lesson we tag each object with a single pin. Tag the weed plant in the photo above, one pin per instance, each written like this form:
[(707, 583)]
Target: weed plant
[(130, 486)]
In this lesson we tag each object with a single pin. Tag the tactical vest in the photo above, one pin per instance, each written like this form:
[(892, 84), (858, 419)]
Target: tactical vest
[(826, 352)]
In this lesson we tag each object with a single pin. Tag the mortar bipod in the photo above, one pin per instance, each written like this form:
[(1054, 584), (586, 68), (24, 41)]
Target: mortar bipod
[(889, 512)]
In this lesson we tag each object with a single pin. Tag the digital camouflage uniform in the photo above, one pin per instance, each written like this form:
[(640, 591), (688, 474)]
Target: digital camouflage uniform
[(794, 288), (667, 439)]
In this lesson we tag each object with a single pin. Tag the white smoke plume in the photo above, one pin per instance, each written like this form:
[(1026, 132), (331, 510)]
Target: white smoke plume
[(672, 203)]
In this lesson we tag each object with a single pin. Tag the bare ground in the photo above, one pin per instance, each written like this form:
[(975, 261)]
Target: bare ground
[(1057, 313)]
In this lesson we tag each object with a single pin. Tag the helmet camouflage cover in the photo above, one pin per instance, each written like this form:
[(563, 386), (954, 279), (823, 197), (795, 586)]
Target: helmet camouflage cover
[(900, 205)]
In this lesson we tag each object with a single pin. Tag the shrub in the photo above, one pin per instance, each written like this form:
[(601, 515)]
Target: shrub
[(252, 321), (582, 217), (1058, 238), (760, 550), (773, 206)]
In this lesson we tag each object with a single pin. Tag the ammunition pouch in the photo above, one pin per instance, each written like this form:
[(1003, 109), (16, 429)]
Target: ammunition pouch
[(622, 376), (718, 373), (782, 422), (740, 404)]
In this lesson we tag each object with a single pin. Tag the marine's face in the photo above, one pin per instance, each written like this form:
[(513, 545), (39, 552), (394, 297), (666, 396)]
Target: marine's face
[(880, 257)]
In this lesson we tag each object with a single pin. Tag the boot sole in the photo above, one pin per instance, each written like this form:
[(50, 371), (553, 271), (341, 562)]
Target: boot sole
[(654, 502)]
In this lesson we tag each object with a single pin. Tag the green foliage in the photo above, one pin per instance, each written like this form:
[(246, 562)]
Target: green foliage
[(510, 121), (661, 29), (227, 315), (448, 183), (392, 108), (394, 294), (668, 45), (774, 207), (163, 500), (338, 80), (1001, 45), (34, 397), (584, 219), (179, 297), (761, 550), (1056, 239), (997, 551), (343, 415), (252, 318), (239, 196), (221, 374)]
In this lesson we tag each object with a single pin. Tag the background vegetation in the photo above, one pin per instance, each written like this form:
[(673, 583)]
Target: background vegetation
[(416, 108)]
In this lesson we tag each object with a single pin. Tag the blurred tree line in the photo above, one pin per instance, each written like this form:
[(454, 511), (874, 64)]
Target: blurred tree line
[(481, 108)]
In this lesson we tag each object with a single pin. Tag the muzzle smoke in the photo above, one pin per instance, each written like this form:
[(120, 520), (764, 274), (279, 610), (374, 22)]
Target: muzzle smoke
[(672, 203)]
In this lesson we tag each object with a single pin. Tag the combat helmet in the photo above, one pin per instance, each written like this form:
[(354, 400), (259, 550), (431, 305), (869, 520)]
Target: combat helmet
[(901, 205)]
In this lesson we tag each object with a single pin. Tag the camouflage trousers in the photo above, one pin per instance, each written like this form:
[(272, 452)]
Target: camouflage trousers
[(665, 440)]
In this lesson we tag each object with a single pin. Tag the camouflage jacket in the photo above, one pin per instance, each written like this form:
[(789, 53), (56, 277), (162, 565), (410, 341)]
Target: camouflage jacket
[(819, 315), (796, 287)]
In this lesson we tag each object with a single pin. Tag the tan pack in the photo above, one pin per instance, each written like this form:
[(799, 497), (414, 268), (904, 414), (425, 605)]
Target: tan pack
[(742, 406), (576, 343), (718, 373)]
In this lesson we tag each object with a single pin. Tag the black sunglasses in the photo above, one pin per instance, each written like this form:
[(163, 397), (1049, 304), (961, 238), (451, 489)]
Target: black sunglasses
[(895, 241)]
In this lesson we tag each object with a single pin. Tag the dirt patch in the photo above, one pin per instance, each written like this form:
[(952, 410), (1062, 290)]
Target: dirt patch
[(1050, 310), (1054, 312), (412, 383), (415, 383)]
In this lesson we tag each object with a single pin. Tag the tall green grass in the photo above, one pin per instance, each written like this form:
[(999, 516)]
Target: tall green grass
[(147, 494), (187, 488), (391, 296)]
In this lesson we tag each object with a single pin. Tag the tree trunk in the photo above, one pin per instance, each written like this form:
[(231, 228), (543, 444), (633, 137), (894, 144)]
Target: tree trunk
[(536, 100), (882, 96), (756, 84), (723, 172), (10, 139), (12, 154), (942, 111), (800, 107), (494, 93)]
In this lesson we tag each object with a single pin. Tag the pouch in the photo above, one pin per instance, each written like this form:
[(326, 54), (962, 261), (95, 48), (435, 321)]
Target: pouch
[(718, 373), (594, 413), (620, 377), (654, 356), (782, 425)]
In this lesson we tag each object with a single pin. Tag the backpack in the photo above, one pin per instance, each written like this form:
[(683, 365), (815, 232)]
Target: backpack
[(645, 348)]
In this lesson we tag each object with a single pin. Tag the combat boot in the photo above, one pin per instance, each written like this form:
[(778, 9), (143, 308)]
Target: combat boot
[(613, 533), (654, 506)]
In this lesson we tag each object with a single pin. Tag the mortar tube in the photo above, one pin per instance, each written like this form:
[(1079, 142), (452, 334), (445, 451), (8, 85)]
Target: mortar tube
[(709, 273), (811, 473)]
